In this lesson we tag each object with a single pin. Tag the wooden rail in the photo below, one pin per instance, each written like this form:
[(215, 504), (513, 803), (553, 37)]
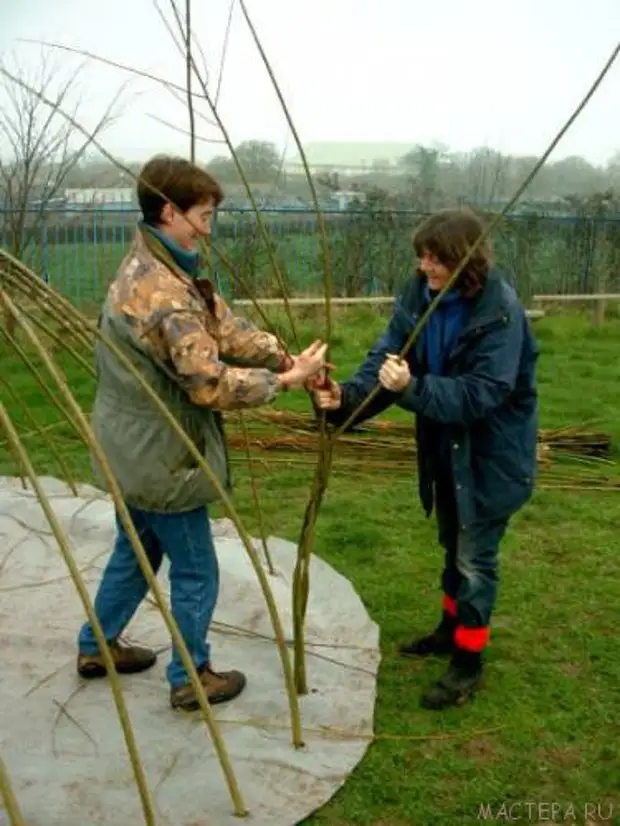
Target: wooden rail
[(599, 300), (339, 301)]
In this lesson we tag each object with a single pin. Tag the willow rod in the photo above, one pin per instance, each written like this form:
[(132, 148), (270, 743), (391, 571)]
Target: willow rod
[(205, 94), (148, 807), (301, 574), (263, 581), (321, 478), (8, 796), (140, 552), (45, 438), (486, 232)]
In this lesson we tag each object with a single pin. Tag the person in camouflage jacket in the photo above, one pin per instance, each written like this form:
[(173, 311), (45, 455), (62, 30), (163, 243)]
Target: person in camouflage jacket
[(201, 360)]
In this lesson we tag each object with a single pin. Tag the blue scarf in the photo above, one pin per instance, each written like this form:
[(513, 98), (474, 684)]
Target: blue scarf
[(188, 260), (442, 329)]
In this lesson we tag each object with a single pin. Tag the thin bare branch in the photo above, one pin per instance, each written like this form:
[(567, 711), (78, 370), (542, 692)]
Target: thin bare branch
[(188, 79), (180, 129), (195, 42), (220, 74), (259, 220), (488, 230), (327, 274)]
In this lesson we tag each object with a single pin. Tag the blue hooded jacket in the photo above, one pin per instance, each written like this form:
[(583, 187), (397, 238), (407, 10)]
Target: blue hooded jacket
[(478, 408)]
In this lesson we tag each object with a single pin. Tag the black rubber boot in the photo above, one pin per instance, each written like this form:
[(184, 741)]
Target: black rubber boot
[(458, 685), (439, 643)]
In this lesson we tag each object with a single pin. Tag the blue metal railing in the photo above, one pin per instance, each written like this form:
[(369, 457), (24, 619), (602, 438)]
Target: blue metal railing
[(78, 252)]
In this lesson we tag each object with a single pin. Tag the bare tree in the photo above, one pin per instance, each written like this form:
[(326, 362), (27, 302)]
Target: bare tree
[(38, 148)]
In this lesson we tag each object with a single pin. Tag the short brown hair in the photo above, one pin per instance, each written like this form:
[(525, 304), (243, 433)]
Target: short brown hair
[(449, 235), (182, 182)]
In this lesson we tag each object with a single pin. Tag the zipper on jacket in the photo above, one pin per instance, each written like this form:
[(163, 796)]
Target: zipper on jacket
[(474, 331)]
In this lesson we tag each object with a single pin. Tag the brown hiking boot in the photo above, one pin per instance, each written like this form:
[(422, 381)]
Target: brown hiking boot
[(219, 688), (128, 659)]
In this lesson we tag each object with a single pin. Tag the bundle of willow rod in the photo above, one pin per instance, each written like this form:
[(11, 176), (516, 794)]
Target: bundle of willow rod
[(395, 438), (567, 458)]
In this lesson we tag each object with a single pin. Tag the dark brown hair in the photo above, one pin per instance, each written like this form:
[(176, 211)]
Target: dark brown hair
[(449, 235), (181, 182)]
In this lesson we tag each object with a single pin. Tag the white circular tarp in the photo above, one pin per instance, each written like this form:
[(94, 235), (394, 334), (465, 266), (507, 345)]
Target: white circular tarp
[(61, 739)]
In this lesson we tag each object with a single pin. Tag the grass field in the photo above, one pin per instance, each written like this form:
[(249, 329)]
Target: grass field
[(546, 728)]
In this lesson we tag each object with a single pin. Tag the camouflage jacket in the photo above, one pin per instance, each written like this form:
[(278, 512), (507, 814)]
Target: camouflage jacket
[(200, 360), (221, 360)]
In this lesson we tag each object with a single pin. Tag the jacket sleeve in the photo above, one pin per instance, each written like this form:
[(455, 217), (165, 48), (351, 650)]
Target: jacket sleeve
[(471, 396), (194, 354), (359, 387), (242, 343)]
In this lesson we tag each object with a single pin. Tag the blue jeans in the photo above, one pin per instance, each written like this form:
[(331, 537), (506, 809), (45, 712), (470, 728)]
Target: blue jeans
[(194, 582), (471, 566)]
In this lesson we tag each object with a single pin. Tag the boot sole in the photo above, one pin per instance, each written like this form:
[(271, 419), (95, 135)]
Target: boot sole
[(213, 700), (454, 701), (422, 655), (94, 672)]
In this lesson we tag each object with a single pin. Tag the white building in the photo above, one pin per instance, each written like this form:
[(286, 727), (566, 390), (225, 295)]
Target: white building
[(98, 197)]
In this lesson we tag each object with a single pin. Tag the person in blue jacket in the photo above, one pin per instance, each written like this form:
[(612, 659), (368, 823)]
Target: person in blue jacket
[(469, 378)]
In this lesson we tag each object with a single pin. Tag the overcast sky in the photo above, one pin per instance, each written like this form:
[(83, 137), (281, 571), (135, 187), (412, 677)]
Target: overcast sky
[(466, 73)]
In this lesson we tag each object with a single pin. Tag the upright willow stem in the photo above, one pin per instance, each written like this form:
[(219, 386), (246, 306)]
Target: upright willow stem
[(322, 479), (301, 575), (9, 798), (230, 509), (143, 560), (301, 581), (254, 486), (327, 267), (115, 683), (188, 79)]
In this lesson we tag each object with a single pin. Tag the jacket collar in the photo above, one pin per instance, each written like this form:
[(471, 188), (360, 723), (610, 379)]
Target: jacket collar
[(149, 245), (188, 260), (490, 303)]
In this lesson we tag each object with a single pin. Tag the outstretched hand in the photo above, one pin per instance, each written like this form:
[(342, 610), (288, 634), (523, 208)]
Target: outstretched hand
[(306, 366)]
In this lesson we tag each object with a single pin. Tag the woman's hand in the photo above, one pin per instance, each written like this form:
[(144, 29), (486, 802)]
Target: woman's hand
[(394, 374), (305, 366), (327, 394)]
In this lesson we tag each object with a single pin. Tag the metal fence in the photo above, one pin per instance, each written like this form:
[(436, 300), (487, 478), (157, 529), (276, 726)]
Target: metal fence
[(78, 252)]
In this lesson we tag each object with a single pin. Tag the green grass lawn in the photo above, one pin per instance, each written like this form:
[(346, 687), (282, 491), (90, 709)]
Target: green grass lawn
[(546, 728)]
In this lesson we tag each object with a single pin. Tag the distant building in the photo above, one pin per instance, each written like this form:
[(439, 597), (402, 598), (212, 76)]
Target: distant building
[(346, 198), (100, 198), (350, 157)]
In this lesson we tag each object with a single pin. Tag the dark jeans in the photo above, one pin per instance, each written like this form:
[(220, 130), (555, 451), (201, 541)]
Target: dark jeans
[(194, 582), (471, 567)]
